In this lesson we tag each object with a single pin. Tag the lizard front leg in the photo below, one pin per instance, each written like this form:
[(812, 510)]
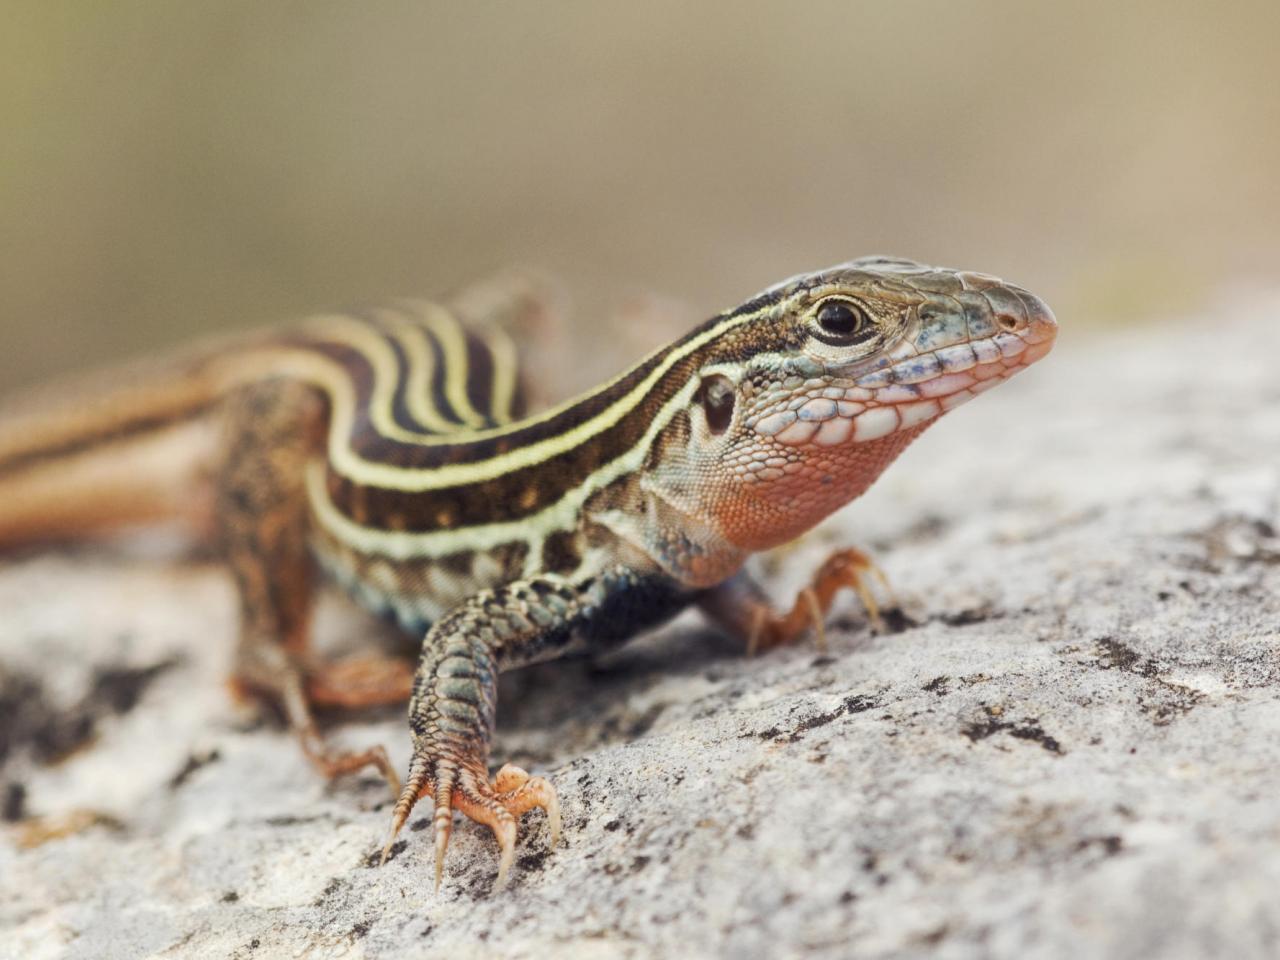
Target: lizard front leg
[(455, 693)]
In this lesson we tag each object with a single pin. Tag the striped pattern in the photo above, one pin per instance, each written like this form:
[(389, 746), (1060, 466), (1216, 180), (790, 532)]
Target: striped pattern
[(423, 456), (430, 484)]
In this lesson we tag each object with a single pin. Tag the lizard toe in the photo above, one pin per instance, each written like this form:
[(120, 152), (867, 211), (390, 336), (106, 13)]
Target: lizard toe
[(465, 787), (845, 569)]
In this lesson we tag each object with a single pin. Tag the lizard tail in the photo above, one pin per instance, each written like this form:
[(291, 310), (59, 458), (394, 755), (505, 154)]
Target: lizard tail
[(125, 447)]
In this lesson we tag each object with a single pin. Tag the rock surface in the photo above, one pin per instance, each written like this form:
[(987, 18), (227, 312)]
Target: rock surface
[(1067, 746)]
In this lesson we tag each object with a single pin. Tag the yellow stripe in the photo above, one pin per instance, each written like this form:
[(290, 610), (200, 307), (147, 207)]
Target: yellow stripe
[(502, 353), (453, 346), (359, 336), (561, 515), (421, 363), (307, 366), (396, 478), (333, 379)]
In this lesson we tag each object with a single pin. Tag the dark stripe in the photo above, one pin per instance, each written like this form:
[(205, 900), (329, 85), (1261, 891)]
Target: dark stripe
[(438, 398), (755, 305), (480, 379), (561, 552), (479, 373), (516, 493), (400, 412), (411, 456), (128, 429)]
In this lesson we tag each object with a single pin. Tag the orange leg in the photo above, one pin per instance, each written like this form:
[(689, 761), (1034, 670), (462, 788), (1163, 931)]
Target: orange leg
[(498, 804), (740, 607), (365, 680), (273, 429), (270, 672)]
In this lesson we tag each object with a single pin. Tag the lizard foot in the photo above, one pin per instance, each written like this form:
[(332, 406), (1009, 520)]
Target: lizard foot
[(335, 763), (267, 671), (465, 786), (848, 568)]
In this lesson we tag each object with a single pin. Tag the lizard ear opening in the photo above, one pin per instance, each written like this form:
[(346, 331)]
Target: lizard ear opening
[(716, 394)]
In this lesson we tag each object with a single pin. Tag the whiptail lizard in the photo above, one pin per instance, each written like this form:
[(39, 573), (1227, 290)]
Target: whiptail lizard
[(390, 446)]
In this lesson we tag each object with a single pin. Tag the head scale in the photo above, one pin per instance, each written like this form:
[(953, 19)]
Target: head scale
[(815, 386)]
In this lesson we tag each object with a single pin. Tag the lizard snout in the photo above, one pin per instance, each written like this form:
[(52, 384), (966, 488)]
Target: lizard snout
[(1022, 313), (1035, 322), (1013, 309)]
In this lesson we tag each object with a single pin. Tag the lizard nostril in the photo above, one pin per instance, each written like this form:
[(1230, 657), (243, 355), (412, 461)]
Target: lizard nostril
[(1008, 322)]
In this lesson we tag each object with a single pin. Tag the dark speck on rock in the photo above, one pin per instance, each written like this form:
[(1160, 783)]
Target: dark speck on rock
[(533, 861), (896, 620), (13, 805), (375, 858), (1027, 729), (194, 762), (120, 687)]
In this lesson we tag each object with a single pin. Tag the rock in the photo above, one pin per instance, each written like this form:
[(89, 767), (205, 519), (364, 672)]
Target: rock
[(1066, 746)]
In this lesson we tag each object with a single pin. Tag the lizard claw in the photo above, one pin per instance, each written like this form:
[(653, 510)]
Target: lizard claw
[(515, 786), (497, 805), (817, 616), (847, 568), (505, 833), (443, 817)]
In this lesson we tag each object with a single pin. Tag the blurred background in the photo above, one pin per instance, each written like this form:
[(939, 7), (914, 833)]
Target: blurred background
[(174, 168)]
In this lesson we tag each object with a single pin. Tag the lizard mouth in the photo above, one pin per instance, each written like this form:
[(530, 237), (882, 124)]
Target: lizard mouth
[(919, 387)]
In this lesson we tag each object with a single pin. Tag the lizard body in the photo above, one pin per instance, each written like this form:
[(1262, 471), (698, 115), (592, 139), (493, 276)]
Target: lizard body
[(391, 446)]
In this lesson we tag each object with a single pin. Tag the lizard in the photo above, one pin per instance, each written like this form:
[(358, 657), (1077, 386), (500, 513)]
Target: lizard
[(388, 448)]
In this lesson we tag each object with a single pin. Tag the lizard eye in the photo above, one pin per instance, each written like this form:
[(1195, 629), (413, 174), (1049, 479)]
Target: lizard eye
[(716, 396), (842, 322)]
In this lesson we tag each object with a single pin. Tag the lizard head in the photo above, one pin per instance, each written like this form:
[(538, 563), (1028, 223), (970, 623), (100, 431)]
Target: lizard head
[(817, 384)]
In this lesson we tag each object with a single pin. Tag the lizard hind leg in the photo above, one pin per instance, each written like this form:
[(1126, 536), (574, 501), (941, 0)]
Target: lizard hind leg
[(272, 429)]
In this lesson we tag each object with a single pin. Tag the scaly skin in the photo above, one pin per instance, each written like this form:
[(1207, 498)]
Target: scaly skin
[(786, 423), (391, 447)]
